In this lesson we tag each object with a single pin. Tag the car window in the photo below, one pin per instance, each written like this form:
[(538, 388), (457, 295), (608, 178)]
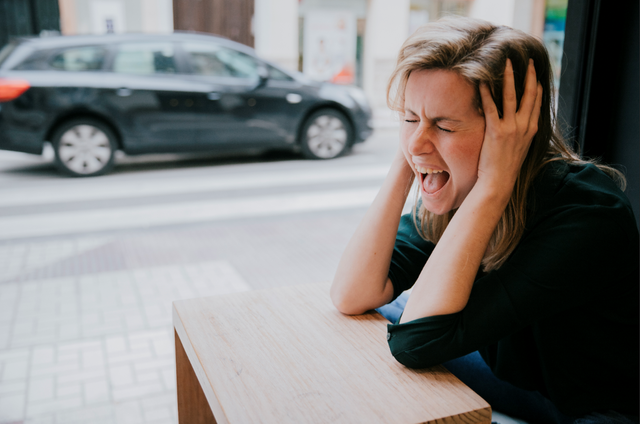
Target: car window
[(212, 60), (79, 59), (277, 74), (145, 59), (36, 60), (6, 51)]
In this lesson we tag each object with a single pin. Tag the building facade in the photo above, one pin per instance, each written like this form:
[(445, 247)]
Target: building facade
[(344, 41)]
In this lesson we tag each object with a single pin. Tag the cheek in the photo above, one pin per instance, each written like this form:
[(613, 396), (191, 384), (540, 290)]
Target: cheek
[(404, 137), (466, 155)]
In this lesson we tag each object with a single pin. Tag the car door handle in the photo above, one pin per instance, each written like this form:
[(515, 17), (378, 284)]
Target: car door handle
[(213, 96), (123, 92)]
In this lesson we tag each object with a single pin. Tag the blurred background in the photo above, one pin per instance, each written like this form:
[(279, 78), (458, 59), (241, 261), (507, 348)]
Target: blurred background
[(89, 266), (348, 42)]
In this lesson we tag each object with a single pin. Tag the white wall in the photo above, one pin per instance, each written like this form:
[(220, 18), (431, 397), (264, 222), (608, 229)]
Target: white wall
[(525, 15), (90, 16), (499, 12), (386, 30), (157, 16), (275, 30)]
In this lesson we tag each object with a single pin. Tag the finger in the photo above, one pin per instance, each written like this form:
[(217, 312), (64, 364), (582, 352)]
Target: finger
[(535, 114), (530, 92), (508, 92), (488, 105)]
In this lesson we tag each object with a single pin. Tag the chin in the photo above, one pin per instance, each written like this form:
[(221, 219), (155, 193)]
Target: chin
[(437, 209)]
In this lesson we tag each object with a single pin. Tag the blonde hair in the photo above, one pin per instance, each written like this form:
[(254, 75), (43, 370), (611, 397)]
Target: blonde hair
[(477, 50)]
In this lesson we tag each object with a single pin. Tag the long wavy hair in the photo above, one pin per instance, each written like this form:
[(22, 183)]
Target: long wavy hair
[(477, 50)]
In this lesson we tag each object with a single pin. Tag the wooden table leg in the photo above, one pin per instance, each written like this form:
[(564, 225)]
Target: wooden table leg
[(193, 407)]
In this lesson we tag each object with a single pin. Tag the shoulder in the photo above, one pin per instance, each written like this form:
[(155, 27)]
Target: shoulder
[(585, 205), (561, 186)]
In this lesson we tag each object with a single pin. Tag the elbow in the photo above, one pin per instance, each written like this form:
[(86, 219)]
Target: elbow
[(344, 303), (411, 361), (345, 306)]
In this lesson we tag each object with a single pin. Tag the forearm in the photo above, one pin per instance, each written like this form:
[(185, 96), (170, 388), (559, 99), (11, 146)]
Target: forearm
[(445, 283), (361, 281)]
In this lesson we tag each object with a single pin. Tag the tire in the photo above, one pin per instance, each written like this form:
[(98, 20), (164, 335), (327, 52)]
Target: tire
[(326, 134), (84, 147)]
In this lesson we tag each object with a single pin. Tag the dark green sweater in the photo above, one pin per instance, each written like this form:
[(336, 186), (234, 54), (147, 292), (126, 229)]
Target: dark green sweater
[(561, 315)]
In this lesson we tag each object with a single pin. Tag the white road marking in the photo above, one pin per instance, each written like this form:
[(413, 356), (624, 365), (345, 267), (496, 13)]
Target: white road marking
[(73, 222)]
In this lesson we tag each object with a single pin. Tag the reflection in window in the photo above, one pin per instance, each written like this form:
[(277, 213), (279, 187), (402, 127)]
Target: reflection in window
[(79, 59), (213, 60), (145, 59)]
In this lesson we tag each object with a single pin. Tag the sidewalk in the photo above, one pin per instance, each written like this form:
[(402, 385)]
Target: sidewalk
[(85, 321)]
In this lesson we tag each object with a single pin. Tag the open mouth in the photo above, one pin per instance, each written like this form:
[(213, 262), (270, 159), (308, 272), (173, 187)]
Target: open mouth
[(432, 180)]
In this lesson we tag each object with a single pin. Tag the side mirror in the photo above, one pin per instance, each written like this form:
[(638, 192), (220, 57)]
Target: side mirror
[(263, 77)]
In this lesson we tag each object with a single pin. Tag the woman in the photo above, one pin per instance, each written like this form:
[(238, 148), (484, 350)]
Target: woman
[(523, 258)]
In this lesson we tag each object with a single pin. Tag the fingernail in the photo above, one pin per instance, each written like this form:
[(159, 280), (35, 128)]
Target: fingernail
[(530, 62)]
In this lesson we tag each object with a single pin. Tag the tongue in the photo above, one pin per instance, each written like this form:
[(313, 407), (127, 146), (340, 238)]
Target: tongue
[(434, 182)]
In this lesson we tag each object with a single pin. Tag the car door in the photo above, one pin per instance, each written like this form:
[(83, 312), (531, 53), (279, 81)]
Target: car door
[(154, 98), (237, 111)]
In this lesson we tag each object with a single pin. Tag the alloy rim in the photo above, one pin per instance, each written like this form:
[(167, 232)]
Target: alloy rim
[(84, 149), (327, 136)]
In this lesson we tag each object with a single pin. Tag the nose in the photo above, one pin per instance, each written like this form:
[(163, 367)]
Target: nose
[(421, 141)]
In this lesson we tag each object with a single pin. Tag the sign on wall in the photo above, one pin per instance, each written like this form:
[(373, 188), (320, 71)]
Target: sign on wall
[(330, 46), (107, 17)]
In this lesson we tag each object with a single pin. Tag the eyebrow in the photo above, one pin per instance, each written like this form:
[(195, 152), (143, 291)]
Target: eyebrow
[(436, 119)]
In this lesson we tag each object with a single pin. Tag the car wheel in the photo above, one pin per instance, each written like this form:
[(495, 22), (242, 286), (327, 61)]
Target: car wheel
[(326, 134), (84, 147)]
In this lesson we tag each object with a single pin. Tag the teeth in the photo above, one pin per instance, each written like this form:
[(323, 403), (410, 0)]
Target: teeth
[(424, 170)]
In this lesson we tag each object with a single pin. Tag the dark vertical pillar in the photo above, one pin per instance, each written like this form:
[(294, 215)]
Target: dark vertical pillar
[(600, 85), (27, 17)]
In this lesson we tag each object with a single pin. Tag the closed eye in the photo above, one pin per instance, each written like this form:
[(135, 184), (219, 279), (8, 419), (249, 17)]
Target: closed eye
[(444, 129)]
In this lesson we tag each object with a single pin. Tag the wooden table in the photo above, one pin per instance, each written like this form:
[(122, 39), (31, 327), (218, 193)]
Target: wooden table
[(288, 356)]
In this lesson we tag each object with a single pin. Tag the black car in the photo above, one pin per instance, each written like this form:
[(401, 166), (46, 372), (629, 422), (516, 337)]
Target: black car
[(183, 92)]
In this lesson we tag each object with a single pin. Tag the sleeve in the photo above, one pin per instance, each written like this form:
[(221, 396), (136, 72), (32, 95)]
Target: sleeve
[(410, 253), (568, 258)]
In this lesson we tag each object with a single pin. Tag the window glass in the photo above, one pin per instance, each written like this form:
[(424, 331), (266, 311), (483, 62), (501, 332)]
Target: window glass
[(145, 59), (213, 60), (276, 74), (6, 51), (38, 60), (79, 59)]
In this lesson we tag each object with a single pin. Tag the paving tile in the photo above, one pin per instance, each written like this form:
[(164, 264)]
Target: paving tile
[(158, 414), (40, 389), (129, 413), (116, 344), (21, 353), (58, 368), (163, 362), (121, 375), (96, 391), (94, 414), (51, 406), (149, 376), (68, 390), (82, 376), (14, 369), (41, 419), (12, 407), (136, 391), (13, 387), (43, 355), (92, 358)]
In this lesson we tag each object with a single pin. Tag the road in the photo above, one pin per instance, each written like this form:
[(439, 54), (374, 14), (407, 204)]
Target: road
[(89, 267)]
